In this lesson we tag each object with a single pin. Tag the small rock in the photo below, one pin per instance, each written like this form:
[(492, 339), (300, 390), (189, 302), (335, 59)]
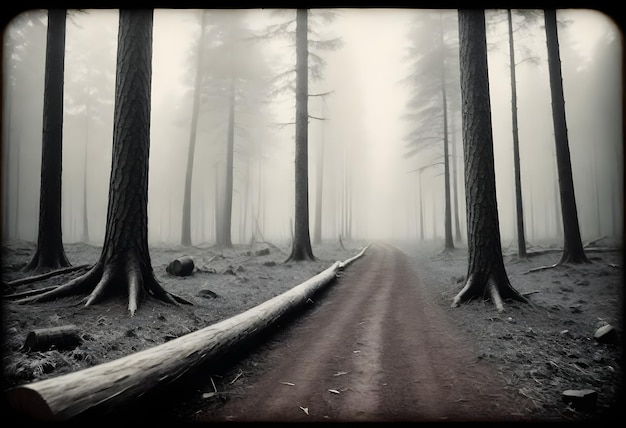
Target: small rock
[(581, 399), (583, 282), (263, 252), (606, 334), (598, 357), (207, 294), (511, 320), (576, 309), (269, 263)]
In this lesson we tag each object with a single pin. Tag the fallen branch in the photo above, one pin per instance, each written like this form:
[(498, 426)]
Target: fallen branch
[(46, 275), (100, 389), (594, 241), (537, 269)]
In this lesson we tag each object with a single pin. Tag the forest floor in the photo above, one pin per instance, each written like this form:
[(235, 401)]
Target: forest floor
[(538, 351)]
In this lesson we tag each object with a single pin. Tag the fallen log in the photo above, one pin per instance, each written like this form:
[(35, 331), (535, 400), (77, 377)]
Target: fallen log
[(61, 337), (101, 388), (182, 266)]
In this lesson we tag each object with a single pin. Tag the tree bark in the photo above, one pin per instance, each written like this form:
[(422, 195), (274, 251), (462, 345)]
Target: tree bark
[(301, 245), (50, 253), (99, 389), (486, 274), (519, 210), (573, 251)]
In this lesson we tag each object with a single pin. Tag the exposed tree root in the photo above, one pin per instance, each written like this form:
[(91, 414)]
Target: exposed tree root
[(101, 281), (46, 275), (491, 289)]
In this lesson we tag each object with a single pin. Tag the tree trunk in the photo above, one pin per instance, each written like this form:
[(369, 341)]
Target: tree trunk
[(573, 251), (6, 155), (228, 191), (100, 389), (16, 229), (448, 242), (50, 253), (301, 245), (486, 275), (421, 207), (125, 259), (519, 210), (85, 233), (455, 185), (317, 237), (186, 221)]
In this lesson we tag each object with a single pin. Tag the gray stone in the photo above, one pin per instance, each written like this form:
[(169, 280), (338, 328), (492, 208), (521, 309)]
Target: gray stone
[(606, 334), (581, 399)]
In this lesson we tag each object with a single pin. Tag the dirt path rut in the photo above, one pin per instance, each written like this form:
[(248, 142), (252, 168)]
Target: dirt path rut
[(376, 348)]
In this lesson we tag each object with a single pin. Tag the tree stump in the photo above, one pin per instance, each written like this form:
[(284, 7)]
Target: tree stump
[(182, 266)]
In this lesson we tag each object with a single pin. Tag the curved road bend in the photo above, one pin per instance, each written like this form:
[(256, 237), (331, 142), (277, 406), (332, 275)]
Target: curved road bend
[(376, 348)]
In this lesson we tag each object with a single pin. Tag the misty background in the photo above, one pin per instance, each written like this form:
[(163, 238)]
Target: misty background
[(369, 189)]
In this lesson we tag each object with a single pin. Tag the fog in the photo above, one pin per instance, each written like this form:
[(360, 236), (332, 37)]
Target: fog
[(368, 188)]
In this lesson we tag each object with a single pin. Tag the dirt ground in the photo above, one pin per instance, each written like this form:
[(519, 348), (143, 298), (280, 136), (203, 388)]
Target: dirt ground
[(538, 351)]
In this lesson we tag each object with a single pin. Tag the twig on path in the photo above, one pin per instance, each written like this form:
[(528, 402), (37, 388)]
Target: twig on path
[(237, 377)]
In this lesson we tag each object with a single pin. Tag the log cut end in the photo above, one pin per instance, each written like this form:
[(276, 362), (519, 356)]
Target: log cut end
[(27, 404), (182, 266)]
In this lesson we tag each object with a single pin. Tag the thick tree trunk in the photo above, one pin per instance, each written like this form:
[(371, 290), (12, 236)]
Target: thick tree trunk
[(124, 265), (50, 253), (301, 245), (186, 222), (100, 389), (573, 251), (519, 210), (486, 275)]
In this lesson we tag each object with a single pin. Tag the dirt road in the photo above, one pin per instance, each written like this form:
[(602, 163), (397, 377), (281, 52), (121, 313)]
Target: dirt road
[(375, 348)]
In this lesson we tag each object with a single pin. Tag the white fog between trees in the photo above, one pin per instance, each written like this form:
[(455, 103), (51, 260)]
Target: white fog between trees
[(369, 187)]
